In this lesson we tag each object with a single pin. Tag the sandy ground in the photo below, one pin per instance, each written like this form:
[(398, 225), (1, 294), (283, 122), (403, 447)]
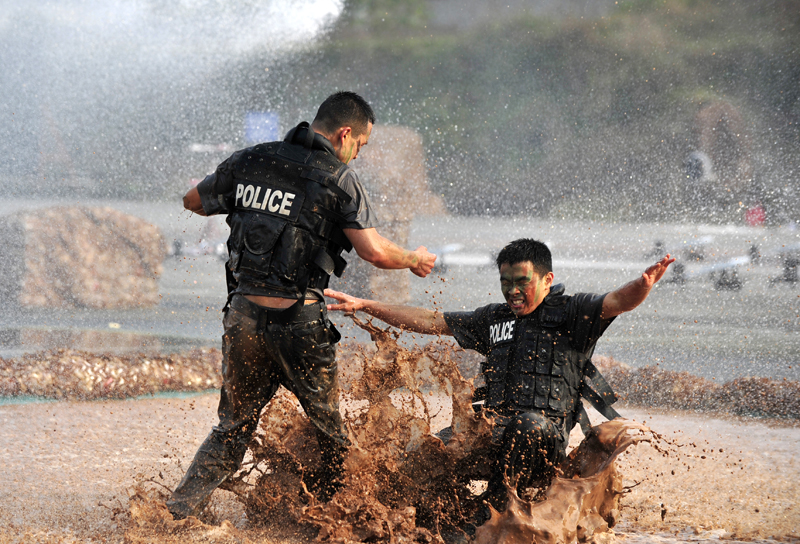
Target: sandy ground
[(67, 469)]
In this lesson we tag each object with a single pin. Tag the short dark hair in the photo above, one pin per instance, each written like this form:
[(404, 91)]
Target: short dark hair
[(527, 249), (345, 108)]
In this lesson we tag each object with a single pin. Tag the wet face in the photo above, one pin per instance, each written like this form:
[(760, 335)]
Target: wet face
[(523, 288), (349, 145)]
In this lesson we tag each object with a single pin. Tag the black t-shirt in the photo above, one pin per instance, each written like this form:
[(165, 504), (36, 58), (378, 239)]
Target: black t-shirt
[(484, 327)]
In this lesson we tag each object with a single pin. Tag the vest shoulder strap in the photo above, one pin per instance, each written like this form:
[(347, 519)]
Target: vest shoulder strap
[(597, 391)]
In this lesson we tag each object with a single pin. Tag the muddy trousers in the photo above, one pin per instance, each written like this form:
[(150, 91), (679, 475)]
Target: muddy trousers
[(528, 450), (262, 350)]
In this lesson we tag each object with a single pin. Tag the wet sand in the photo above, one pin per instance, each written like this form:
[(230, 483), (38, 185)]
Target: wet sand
[(68, 468)]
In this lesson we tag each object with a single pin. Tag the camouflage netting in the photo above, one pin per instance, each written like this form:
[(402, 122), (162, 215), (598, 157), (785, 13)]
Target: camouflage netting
[(80, 257), (75, 375)]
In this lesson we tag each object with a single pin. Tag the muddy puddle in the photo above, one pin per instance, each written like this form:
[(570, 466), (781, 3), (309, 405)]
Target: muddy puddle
[(77, 471)]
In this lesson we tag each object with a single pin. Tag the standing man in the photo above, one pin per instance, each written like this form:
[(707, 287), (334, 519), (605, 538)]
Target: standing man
[(293, 207), (538, 348)]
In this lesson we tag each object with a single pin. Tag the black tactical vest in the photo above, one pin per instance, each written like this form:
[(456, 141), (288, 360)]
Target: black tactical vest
[(530, 365), (285, 234)]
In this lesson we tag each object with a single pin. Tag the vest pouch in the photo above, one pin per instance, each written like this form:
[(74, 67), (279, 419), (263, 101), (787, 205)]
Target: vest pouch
[(294, 256), (523, 391), (234, 258), (527, 353), (542, 392), (558, 395), (544, 353), (560, 361), (261, 232), (235, 242)]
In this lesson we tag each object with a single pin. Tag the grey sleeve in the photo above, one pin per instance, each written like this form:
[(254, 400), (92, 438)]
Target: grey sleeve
[(358, 213), (587, 325)]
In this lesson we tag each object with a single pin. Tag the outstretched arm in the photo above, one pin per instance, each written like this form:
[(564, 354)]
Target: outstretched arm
[(383, 253), (630, 295), (403, 317)]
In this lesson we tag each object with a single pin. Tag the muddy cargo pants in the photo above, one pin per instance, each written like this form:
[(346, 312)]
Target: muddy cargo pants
[(261, 350)]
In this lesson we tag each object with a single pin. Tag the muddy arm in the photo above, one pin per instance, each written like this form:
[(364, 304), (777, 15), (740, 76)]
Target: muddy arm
[(383, 253), (630, 295), (408, 318)]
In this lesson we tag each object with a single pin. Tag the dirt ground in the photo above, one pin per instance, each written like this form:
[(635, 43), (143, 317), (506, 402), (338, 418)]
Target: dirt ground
[(69, 467)]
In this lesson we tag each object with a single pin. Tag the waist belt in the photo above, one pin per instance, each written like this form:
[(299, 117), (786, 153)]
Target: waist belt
[(299, 312)]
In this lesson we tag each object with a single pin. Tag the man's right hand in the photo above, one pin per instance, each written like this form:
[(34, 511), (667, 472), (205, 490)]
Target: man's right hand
[(385, 254), (425, 262), (347, 304)]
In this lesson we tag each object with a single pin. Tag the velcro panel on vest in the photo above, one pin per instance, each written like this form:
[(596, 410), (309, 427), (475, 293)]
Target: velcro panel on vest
[(326, 180), (294, 153)]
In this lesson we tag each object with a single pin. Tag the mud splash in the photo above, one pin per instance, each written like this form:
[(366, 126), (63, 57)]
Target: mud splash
[(67, 467), (580, 506), (402, 483)]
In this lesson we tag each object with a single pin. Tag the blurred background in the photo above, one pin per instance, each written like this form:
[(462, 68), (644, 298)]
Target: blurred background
[(614, 130), (638, 110)]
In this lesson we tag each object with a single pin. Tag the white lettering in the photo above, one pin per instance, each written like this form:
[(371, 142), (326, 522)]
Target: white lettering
[(239, 191), (255, 198), (500, 332), (246, 200), (266, 196), (286, 204), (275, 195)]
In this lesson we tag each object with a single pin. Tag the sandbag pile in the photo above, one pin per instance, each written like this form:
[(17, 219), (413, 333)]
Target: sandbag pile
[(79, 257), (655, 387), (78, 375)]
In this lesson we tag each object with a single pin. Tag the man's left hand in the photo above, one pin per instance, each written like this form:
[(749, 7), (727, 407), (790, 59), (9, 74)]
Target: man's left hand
[(655, 272)]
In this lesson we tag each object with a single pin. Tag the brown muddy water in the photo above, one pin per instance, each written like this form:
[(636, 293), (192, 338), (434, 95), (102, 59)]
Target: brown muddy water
[(95, 471)]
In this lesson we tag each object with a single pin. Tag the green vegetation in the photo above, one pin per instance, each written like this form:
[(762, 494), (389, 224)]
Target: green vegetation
[(589, 117)]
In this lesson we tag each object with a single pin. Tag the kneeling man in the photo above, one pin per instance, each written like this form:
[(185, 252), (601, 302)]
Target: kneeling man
[(538, 348)]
